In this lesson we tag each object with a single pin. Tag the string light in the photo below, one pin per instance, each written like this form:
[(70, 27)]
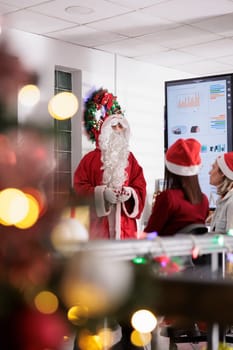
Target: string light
[(63, 105), (78, 315), (162, 260), (144, 321), (230, 232), (13, 205), (138, 260), (46, 302), (152, 235), (229, 257), (195, 249), (140, 339), (32, 215), (219, 239), (29, 95)]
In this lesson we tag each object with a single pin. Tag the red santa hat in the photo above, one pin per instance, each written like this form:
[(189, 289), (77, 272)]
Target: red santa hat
[(225, 163), (183, 157)]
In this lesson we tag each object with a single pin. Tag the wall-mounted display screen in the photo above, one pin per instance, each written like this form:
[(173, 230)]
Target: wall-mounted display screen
[(201, 108)]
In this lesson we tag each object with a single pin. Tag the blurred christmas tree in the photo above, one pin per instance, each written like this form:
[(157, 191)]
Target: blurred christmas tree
[(31, 313)]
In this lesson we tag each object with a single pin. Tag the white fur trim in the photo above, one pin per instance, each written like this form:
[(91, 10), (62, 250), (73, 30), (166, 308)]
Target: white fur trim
[(136, 205), (223, 166), (106, 127), (182, 170), (100, 201), (118, 221)]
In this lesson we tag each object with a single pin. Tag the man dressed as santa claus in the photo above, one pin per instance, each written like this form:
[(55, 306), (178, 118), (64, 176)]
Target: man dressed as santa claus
[(110, 176)]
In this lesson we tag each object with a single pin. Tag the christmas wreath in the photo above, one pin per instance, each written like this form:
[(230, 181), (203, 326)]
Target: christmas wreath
[(97, 107)]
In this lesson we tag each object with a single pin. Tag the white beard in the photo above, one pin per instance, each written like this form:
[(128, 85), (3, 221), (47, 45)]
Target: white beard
[(115, 152)]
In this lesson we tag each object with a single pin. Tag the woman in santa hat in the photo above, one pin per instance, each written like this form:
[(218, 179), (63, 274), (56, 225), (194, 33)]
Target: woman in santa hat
[(221, 176), (182, 202)]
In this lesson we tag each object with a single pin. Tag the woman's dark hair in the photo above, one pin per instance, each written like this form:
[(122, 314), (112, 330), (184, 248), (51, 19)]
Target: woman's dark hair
[(188, 184)]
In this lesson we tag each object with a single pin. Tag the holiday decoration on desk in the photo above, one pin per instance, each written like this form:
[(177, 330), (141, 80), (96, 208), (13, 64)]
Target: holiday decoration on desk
[(100, 104)]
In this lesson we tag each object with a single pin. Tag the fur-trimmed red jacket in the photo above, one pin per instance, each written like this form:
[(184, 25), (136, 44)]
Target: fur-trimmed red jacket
[(118, 221)]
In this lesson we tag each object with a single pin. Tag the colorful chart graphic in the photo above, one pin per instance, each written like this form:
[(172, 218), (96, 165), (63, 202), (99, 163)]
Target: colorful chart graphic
[(218, 122), (190, 100), (216, 91)]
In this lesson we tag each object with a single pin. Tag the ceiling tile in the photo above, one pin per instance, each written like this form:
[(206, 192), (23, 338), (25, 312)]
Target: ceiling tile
[(34, 22), (181, 36), (169, 58), (135, 4), (99, 9), (132, 24), (226, 59), (204, 67), (6, 8), (217, 48), (23, 3), (131, 47), (219, 24), (86, 36), (190, 10)]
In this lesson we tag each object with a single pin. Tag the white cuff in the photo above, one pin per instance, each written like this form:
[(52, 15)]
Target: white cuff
[(100, 201)]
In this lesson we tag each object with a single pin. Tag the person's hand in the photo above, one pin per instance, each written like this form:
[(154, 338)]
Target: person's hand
[(110, 196), (124, 195)]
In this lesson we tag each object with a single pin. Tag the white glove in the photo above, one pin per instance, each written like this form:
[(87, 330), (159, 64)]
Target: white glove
[(125, 194), (110, 196)]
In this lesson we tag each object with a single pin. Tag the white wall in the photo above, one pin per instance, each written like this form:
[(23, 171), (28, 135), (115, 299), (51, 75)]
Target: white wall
[(139, 88)]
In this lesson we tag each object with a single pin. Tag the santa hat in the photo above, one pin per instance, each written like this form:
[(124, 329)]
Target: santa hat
[(225, 163), (183, 157)]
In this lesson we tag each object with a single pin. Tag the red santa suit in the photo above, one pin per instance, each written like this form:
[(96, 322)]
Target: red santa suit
[(91, 178)]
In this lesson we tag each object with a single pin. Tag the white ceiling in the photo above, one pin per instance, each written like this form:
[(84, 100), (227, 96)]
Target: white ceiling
[(194, 36)]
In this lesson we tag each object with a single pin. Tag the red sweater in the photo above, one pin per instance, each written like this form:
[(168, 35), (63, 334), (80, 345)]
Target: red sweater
[(171, 212)]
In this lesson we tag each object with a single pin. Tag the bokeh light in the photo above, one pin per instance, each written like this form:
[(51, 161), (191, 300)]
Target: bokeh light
[(29, 95), (230, 232), (91, 282), (46, 302), (4, 223), (195, 252), (144, 321), (88, 295), (106, 337), (32, 215), (66, 233), (40, 198), (14, 205), (63, 105), (88, 341), (138, 260), (218, 239), (140, 339), (77, 315)]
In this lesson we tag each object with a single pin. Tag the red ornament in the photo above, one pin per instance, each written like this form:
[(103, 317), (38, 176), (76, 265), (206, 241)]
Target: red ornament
[(37, 331), (195, 252)]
